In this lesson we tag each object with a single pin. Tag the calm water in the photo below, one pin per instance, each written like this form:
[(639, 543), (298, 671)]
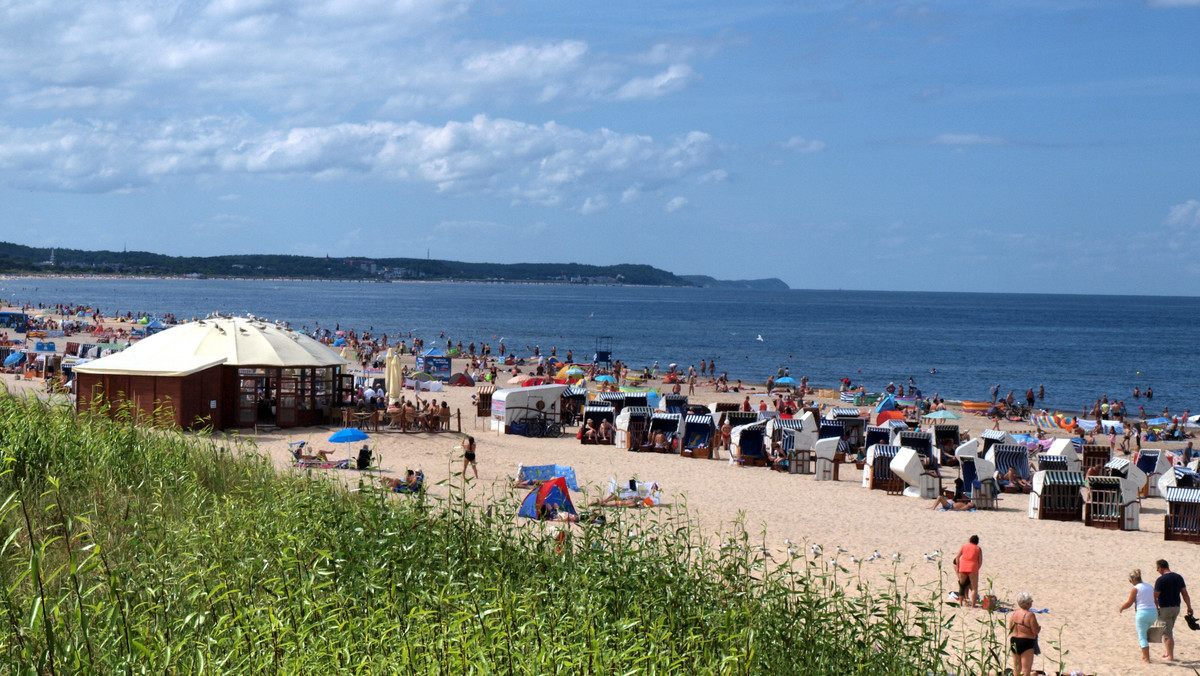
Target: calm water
[(1077, 346)]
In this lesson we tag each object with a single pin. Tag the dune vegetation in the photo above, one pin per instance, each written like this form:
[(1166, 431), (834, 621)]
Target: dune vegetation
[(132, 550)]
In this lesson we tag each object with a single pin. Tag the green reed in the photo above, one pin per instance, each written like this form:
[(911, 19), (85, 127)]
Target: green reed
[(126, 549)]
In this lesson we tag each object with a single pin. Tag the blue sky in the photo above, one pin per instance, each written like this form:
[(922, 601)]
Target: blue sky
[(1019, 146)]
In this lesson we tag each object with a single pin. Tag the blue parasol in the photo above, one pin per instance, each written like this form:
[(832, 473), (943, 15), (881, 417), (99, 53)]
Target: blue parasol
[(348, 435)]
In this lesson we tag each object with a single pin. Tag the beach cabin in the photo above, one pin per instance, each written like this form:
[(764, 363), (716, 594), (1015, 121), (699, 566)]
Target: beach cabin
[(921, 479), (921, 442), (632, 423), (614, 399), (697, 439), (516, 405), (881, 435), (827, 458), (989, 438), (635, 399), (1057, 495), (946, 438), (1094, 455), (1126, 470), (803, 432), (979, 483), (1181, 477), (669, 425), (855, 426), (673, 403), (573, 401), (599, 413), (219, 372), (749, 449), (1112, 503), (1182, 521), (1048, 462), (1010, 456), (483, 401), (738, 418), (1065, 449), (1153, 463), (877, 472)]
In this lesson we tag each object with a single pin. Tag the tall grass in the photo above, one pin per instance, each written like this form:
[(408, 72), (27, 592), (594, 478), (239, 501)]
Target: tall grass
[(130, 550)]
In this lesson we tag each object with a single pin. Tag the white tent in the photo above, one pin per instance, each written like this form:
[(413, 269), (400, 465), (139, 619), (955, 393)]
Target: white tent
[(233, 341)]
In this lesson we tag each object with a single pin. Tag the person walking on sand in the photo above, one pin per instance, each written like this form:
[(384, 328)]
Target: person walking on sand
[(468, 447), (1141, 597), (967, 564), (1169, 590), (1023, 630)]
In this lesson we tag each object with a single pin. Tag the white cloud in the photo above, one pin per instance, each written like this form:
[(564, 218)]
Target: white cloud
[(320, 59), (799, 144), (1185, 216), (631, 194), (594, 205), (521, 162), (669, 81), (525, 61), (714, 176), (966, 140), (675, 204)]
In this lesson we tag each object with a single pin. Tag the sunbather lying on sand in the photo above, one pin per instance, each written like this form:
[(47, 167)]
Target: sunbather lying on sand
[(410, 483), (946, 504), (301, 456)]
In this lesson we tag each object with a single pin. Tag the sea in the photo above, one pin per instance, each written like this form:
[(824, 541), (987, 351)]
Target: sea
[(956, 345)]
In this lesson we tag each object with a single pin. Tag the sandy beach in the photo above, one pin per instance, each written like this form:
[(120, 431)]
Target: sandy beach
[(1077, 573)]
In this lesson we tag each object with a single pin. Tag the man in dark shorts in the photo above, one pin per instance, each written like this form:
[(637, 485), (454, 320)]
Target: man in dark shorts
[(1169, 590)]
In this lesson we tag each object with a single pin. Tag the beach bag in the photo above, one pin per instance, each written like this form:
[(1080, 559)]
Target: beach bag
[(989, 602), (1155, 633)]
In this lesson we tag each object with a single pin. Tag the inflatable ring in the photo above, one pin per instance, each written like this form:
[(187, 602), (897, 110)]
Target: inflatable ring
[(540, 405)]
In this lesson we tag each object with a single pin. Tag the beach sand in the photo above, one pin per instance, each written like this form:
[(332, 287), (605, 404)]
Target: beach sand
[(1079, 574)]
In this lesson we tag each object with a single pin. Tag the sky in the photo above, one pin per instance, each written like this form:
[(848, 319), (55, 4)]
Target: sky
[(1019, 146)]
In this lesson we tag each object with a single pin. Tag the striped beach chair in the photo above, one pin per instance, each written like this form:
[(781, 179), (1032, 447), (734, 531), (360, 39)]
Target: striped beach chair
[(697, 436), (878, 474), (1056, 495), (1011, 456), (1182, 521)]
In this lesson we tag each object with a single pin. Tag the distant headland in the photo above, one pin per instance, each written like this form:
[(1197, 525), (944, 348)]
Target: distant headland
[(18, 259)]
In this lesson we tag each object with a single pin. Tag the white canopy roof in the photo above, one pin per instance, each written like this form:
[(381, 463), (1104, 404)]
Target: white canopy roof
[(195, 346)]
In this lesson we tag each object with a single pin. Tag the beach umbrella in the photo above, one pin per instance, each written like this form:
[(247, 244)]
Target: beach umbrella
[(421, 376), (348, 435), (786, 380), (1158, 421), (393, 379), (605, 379), (942, 415), (518, 379)]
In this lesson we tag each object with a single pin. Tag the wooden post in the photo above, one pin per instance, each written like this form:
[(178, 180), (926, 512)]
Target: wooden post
[(458, 415)]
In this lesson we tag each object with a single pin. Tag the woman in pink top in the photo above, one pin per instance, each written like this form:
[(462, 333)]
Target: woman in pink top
[(967, 565)]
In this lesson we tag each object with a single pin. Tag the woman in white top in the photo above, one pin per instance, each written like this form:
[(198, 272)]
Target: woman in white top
[(1141, 597)]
